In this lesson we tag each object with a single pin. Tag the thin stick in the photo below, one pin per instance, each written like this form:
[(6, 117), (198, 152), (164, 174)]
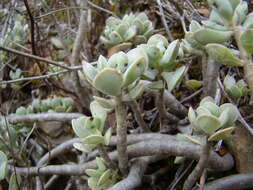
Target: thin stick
[(31, 27), (34, 57), (162, 110), (164, 20), (35, 78), (58, 10), (191, 96), (137, 114), (101, 8)]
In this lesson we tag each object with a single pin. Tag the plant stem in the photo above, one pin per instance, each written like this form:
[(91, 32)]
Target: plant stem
[(198, 170), (248, 65), (107, 159), (121, 136), (137, 114), (161, 109), (210, 75)]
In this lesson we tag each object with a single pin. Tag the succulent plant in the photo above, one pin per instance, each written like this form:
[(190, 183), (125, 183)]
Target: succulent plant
[(17, 74), (56, 104), (55, 69), (162, 60), (24, 111), (235, 89), (215, 122), (90, 129), (102, 177), (212, 35), (119, 75), (135, 28)]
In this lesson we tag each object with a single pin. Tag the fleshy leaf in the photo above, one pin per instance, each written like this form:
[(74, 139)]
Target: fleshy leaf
[(212, 107), (84, 148), (97, 110), (229, 82), (109, 81), (92, 183), (102, 62), (101, 164), (194, 25), (93, 139), (215, 17), (93, 173), (234, 3), (240, 13), (170, 54), (248, 23), (118, 61), (106, 103), (130, 33), (206, 99), (191, 115), (202, 111), (135, 70), (158, 85), (107, 136), (158, 38), (208, 123), (224, 8), (214, 26), (246, 39), (78, 126), (206, 35), (104, 177), (89, 71), (232, 112), (235, 92), (174, 78), (221, 134), (189, 138), (223, 55), (194, 84), (134, 93), (115, 37)]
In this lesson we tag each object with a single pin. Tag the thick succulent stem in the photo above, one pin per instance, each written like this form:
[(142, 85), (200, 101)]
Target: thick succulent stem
[(121, 136), (137, 114), (210, 74), (107, 159), (199, 169), (248, 65), (164, 115)]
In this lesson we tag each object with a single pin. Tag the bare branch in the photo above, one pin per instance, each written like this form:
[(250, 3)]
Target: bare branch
[(168, 146), (233, 182), (198, 170), (134, 177), (43, 117)]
